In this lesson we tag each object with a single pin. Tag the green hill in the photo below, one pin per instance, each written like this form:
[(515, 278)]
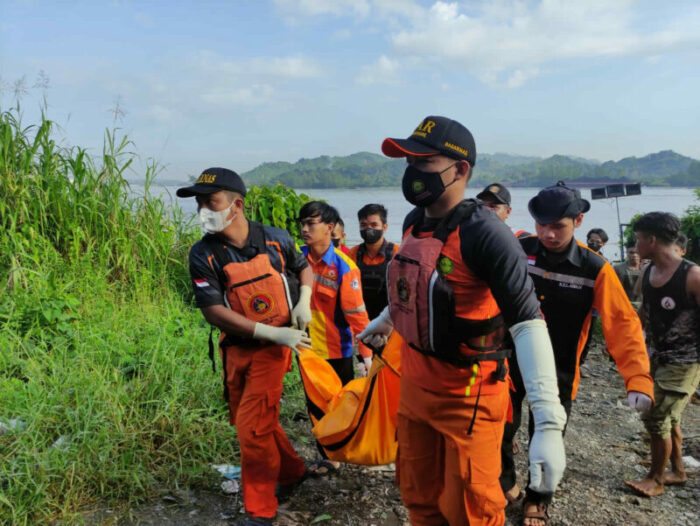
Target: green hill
[(366, 169)]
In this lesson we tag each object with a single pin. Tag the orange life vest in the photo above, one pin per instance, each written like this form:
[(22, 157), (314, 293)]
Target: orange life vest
[(254, 288)]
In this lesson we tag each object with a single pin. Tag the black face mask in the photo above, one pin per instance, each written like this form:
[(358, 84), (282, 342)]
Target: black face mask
[(423, 188), (371, 235), (336, 242), (595, 246)]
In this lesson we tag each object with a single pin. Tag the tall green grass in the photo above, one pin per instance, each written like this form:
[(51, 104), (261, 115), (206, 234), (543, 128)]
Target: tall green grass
[(102, 357)]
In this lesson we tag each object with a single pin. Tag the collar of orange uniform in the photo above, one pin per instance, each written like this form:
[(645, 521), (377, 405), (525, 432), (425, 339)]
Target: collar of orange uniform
[(328, 258)]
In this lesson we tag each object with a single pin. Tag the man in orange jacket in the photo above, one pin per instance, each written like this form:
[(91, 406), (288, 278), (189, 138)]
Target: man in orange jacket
[(571, 280), (458, 282), (240, 270)]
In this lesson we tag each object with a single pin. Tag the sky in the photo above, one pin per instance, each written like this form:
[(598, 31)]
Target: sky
[(238, 83)]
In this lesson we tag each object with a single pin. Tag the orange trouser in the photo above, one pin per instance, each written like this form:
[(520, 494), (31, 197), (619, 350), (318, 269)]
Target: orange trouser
[(254, 381), (445, 475)]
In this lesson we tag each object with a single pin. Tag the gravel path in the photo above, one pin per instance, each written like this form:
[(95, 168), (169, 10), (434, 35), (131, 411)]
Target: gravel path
[(605, 441)]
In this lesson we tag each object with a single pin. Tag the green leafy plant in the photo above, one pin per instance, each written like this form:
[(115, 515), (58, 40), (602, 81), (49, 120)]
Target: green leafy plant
[(276, 206)]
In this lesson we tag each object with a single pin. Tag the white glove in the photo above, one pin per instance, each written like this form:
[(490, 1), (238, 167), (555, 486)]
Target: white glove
[(301, 313), (536, 361), (292, 338), (547, 460), (638, 401), (378, 330)]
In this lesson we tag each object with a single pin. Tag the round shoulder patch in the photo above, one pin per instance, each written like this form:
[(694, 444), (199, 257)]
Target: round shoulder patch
[(355, 284)]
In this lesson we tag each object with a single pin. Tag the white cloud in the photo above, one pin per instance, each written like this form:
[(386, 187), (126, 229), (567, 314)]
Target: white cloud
[(247, 96), (287, 67), (160, 113), (296, 11), (383, 71), (278, 68), (296, 8), (506, 43), (341, 34)]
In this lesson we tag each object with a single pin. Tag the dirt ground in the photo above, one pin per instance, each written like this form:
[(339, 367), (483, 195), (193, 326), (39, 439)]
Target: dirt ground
[(605, 443)]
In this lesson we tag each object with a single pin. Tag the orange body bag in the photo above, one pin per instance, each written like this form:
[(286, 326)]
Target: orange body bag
[(356, 423)]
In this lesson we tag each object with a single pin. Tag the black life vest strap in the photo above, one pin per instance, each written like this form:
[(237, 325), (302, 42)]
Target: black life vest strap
[(473, 328), (454, 217), (386, 250)]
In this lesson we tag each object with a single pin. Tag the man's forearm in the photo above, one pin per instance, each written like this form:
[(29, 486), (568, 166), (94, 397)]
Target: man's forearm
[(229, 321), (306, 277)]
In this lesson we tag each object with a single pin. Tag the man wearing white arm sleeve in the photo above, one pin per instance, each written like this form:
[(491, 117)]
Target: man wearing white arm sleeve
[(456, 285)]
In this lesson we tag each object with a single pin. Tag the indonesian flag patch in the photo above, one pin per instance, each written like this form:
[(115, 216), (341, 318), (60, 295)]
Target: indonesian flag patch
[(201, 283), (531, 260)]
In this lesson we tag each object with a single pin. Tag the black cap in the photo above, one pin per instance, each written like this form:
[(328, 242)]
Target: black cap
[(555, 202), (497, 191), (435, 135), (213, 180)]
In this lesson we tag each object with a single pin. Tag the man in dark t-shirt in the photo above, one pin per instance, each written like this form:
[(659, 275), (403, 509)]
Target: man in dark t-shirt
[(671, 315)]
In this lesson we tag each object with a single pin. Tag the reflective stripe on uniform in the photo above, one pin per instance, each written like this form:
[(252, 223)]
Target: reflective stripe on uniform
[(327, 282), (563, 278), (361, 308)]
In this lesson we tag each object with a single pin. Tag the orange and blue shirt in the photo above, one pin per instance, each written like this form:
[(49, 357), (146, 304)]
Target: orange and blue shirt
[(337, 309)]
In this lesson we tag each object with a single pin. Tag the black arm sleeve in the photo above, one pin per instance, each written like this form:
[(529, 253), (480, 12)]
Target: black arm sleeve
[(207, 287), (493, 253), (296, 262)]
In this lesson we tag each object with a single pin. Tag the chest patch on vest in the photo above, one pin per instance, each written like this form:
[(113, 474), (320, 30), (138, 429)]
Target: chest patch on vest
[(403, 289), (445, 265), (332, 273), (260, 303), (668, 303)]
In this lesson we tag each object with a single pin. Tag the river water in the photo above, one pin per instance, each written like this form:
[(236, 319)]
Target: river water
[(603, 213)]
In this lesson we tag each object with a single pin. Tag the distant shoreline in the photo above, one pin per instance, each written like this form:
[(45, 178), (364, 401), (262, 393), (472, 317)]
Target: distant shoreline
[(477, 182)]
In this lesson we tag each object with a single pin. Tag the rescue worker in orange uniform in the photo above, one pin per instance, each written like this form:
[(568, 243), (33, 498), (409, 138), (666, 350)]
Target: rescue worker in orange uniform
[(337, 307), (457, 283), (244, 276), (372, 257), (571, 280)]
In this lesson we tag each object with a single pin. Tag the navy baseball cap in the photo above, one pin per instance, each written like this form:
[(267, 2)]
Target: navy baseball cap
[(497, 191), (213, 180), (555, 202), (435, 135)]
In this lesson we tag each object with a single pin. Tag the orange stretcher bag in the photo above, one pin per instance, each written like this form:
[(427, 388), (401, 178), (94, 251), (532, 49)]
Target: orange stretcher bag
[(355, 423)]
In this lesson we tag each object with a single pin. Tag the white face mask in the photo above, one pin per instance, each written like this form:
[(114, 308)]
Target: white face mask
[(213, 222)]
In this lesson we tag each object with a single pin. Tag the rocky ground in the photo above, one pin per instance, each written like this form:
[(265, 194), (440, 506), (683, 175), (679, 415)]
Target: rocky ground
[(605, 442)]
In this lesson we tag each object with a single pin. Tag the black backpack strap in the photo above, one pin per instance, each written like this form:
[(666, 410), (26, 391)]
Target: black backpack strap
[(388, 250), (361, 251), (454, 217), (221, 255), (257, 236)]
